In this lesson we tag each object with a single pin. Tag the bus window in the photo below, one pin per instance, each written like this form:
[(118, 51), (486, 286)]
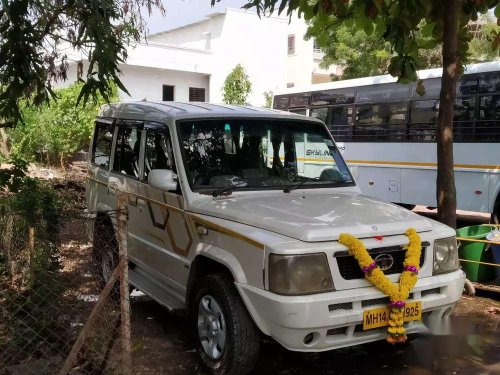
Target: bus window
[(467, 85), (390, 116), (300, 100), (320, 113), (333, 97), (341, 120), (424, 111), (381, 113), (488, 126), (489, 82), (423, 120), (299, 111), (465, 109), (385, 92), (432, 89), (281, 102)]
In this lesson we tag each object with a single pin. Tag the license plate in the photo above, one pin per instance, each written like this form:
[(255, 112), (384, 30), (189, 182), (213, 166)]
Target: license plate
[(375, 318)]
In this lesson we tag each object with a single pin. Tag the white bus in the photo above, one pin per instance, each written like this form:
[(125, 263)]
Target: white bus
[(387, 134)]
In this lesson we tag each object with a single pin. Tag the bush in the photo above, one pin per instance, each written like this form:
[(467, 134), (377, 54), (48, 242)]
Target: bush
[(53, 132), (29, 281)]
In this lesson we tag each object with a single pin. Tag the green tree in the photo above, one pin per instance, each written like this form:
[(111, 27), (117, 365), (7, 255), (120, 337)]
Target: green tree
[(52, 132), (409, 26), (36, 35), (268, 97), (362, 55), (480, 46), (237, 86)]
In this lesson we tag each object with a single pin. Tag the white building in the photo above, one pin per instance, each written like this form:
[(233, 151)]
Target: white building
[(304, 58), (190, 63)]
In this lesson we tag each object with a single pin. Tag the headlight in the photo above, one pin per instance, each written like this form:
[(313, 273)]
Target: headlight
[(299, 274), (445, 255)]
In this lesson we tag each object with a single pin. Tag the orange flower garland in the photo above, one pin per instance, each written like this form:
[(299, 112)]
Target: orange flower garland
[(398, 293)]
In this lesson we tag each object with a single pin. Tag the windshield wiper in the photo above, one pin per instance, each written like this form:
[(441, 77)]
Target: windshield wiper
[(299, 184), (218, 192)]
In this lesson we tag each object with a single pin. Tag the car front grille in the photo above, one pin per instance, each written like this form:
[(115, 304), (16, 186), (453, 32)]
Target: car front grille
[(349, 268)]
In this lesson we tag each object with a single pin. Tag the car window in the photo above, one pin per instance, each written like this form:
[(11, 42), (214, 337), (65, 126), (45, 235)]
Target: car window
[(260, 154), (158, 151), (101, 151), (126, 160)]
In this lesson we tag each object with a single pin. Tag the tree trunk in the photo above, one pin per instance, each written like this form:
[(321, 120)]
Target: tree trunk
[(4, 144), (445, 190)]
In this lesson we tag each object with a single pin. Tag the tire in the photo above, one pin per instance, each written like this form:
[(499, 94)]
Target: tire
[(407, 206), (495, 215), (238, 351), (105, 252)]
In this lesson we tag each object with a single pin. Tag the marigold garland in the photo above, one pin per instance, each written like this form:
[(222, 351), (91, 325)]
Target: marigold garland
[(398, 293)]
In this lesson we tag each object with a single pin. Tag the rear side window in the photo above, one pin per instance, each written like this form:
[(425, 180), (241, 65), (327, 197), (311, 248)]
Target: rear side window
[(158, 151), (128, 144), (101, 150)]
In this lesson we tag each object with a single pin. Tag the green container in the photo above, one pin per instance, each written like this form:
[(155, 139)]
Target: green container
[(476, 251)]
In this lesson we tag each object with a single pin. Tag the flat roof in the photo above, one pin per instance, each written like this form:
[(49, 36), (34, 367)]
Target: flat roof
[(162, 111)]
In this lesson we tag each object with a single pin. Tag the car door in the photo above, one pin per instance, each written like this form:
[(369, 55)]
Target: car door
[(126, 170), (163, 231)]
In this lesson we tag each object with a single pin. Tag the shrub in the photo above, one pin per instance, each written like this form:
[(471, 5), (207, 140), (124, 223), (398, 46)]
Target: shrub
[(53, 132)]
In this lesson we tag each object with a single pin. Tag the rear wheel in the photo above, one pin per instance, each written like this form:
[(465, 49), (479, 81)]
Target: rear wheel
[(105, 252), (225, 335)]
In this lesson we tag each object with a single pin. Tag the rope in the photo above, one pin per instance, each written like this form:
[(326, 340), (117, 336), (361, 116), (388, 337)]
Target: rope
[(482, 241), (475, 261)]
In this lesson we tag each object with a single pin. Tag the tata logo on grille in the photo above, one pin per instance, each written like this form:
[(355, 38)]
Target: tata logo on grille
[(384, 261)]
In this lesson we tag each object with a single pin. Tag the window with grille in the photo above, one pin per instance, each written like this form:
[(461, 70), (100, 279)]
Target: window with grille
[(168, 93), (291, 44), (196, 94), (317, 48), (290, 84)]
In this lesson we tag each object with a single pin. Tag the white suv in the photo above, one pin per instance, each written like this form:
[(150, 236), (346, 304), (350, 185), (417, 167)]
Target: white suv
[(235, 215)]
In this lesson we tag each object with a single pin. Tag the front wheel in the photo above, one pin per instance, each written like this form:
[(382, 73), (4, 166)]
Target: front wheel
[(225, 335)]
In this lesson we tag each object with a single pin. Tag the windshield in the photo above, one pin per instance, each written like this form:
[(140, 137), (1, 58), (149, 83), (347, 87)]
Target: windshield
[(257, 154)]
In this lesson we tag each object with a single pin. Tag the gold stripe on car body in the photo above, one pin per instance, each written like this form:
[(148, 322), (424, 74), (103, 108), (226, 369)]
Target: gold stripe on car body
[(226, 231)]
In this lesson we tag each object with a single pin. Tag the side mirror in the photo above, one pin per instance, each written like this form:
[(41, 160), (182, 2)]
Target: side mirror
[(163, 179)]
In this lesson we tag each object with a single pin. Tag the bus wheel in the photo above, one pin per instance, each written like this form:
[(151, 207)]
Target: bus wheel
[(495, 215), (407, 206)]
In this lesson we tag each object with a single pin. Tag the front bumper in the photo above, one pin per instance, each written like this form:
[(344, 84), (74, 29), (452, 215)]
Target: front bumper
[(336, 319)]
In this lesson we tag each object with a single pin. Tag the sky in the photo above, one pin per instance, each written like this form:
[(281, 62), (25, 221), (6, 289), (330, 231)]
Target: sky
[(182, 12)]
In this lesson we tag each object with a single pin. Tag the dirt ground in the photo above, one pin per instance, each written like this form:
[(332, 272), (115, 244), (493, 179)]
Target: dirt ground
[(161, 346)]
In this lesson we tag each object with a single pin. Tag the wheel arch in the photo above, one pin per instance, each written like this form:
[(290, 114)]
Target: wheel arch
[(213, 261)]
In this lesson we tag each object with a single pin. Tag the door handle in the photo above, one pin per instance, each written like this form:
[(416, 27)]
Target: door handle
[(141, 202), (112, 189), (112, 186)]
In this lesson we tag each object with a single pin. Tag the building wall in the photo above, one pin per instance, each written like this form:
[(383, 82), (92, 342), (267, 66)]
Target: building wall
[(147, 83), (204, 53), (303, 66), (256, 44), (201, 35)]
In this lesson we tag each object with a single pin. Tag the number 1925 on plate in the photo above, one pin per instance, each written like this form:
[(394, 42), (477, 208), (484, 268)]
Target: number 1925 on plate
[(375, 318)]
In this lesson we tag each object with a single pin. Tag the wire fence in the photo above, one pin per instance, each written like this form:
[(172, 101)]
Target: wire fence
[(64, 308)]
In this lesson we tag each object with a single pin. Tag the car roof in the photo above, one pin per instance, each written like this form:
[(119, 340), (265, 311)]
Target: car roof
[(162, 111)]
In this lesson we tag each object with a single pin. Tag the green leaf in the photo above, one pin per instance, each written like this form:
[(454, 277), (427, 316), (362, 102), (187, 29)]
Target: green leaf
[(420, 89)]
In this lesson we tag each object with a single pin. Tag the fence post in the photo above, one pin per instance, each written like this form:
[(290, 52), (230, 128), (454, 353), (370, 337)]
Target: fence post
[(122, 217), (31, 247)]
